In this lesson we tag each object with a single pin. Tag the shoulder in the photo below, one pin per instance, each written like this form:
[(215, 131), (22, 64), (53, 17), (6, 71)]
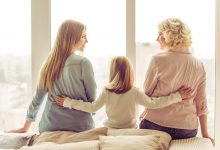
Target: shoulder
[(161, 56), (137, 90), (77, 60), (134, 91)]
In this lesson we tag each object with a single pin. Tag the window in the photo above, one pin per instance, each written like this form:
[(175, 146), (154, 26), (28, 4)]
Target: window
[(203, 36), (19, 29), (105, 32), (15, 62)]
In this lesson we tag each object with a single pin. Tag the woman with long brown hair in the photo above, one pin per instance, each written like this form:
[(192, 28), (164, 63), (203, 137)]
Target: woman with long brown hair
[(64, 73)]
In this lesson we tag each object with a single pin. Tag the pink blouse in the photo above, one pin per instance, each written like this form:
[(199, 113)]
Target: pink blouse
[(167, 72)]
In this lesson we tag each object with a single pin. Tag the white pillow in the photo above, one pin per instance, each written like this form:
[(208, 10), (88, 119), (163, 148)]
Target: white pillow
[(164, 140), (148, 142), (14, 140), (86, 145), (61, 137)]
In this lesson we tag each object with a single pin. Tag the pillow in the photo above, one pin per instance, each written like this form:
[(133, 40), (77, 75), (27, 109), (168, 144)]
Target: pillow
[(195, 143), (86, 145), (147, 142), (14, 140), (164, 140), (61, 137)]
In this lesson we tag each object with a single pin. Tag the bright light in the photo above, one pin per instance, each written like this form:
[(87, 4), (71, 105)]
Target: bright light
[(199, 16), (15, 27), (105, 21)]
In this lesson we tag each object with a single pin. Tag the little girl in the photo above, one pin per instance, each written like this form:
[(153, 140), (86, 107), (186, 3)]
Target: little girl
[(121, 97)]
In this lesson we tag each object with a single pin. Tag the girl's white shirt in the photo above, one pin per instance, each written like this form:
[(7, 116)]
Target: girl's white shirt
[(121, 109)]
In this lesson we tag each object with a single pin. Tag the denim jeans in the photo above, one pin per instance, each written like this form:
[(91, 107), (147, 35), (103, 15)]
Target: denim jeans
[(174, 132)]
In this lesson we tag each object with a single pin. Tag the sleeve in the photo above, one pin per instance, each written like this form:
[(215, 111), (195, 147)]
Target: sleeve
[(88, 80), (35, 104), (151, 77), (86, 106), (200, 98), (154, 103)]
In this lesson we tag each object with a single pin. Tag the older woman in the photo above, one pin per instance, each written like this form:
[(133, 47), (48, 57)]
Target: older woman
[(168, 71)]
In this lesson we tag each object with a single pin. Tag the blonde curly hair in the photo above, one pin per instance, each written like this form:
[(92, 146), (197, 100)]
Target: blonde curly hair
[(176, 33)]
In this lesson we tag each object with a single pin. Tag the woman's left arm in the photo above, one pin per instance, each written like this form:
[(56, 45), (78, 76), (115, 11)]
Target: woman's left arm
[(201, 107), (151, 77), (204, 131)]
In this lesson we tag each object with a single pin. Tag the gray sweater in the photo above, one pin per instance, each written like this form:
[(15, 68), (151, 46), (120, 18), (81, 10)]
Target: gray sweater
[(77, 82)]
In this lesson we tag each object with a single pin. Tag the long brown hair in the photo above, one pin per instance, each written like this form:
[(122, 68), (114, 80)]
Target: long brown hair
[(121, 78), (68, 36)]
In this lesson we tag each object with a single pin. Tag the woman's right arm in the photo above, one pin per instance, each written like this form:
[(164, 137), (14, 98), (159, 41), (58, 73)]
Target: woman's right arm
[(151, 79), (32, 111), (88, 80)]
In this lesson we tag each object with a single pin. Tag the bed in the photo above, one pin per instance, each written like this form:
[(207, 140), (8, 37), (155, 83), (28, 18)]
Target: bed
[(101, 139)]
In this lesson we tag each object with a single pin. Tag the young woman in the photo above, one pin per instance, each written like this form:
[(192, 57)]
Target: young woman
[(64, 73), (121, 98)]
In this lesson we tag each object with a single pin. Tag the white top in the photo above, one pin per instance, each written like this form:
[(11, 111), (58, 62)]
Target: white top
[(121, 109)]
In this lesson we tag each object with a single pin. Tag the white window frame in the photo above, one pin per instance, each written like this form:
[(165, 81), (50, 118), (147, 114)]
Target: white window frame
[(40, 36), (40, 23), (217, 79)]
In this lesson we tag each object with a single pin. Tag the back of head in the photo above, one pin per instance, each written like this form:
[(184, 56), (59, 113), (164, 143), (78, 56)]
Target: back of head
[(176, 33), (121, 77), (68, 36)]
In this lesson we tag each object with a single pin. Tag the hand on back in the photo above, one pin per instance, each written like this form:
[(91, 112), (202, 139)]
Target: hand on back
[(185, 93), (60, 100)]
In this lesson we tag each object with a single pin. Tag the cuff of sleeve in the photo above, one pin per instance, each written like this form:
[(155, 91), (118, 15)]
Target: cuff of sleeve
[(178, 96), (30, 119), (67, 103), (204, 112)]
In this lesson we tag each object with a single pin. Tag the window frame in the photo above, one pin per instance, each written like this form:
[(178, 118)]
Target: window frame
[(217, 79)]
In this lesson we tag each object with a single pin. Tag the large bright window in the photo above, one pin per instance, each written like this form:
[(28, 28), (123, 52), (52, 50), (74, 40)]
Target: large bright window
[(105, 21), (106, 29), (15, 62), (200, 17)]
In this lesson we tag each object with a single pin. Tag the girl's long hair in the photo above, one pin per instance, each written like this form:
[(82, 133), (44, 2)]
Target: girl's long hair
[(68, 36), (121, 78)]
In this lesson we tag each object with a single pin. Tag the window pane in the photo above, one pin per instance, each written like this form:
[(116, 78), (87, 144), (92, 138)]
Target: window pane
[(15, 62), (201, 19), (105, 21)]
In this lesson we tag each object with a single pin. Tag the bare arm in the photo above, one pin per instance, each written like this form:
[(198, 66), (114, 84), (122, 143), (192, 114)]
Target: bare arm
[(32, 111), (204, 130), (201, 107), (23, 129)]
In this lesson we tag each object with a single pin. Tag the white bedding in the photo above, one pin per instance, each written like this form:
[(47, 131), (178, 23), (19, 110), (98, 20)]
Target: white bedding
[(10, 141), (196, 143)]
